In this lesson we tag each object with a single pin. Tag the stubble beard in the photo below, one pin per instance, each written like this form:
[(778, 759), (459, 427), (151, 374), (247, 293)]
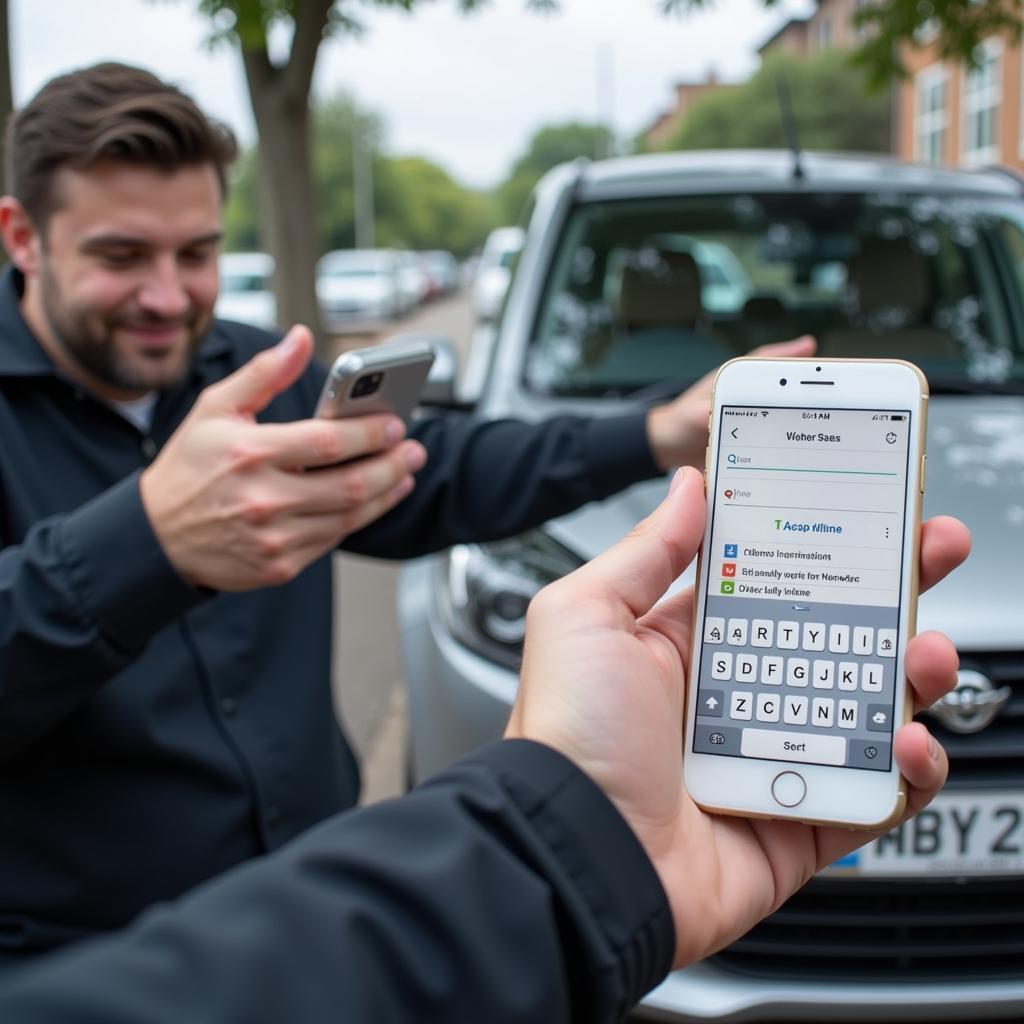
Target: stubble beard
[(88, 340)]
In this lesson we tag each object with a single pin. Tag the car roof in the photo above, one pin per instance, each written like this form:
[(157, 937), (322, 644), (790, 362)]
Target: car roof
[(773, 170), (247, 262)]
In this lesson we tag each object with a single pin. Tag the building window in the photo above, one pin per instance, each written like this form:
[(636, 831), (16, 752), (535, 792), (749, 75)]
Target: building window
[(983, 95), (825, 34), (931, 114)]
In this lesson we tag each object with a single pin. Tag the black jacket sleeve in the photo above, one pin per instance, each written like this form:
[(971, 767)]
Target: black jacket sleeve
[(80, 598), (486, 479), (507, 889)]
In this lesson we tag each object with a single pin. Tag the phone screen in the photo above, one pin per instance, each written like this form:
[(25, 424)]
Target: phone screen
[(804, 570)]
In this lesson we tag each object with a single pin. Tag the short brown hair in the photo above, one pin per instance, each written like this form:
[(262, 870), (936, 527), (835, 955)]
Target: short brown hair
[(107, 112)]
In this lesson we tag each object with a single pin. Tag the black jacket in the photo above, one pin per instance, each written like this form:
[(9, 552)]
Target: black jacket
[(508, 889), (152, 736)]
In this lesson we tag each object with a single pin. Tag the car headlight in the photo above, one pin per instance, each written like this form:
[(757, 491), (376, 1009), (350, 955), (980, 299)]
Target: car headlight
[(486, 588)]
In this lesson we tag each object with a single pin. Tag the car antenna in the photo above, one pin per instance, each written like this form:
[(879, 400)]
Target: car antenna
[(789, 131)]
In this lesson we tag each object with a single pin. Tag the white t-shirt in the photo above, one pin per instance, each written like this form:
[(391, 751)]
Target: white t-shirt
[(138, 411)]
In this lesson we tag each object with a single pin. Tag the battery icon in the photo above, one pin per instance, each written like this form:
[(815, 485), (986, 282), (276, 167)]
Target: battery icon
[(897, 417)]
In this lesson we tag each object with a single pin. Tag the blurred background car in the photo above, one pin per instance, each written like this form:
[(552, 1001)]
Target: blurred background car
[(614, 306), (443, 272), (494, 271), (359, 287), (247, 289), (413, 280)]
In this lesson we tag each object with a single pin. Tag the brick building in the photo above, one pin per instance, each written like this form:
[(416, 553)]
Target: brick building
[(949, 115)]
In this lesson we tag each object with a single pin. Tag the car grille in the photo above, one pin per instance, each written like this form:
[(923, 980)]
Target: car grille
[(886, 929)]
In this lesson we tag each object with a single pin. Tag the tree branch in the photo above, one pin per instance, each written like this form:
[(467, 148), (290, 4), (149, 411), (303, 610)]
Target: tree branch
[(310, 21)]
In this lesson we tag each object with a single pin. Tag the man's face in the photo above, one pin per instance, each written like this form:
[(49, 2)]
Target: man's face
[(127, 275)]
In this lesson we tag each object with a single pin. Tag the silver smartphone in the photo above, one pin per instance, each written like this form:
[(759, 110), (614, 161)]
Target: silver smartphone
[(807, 590), (382, 379)]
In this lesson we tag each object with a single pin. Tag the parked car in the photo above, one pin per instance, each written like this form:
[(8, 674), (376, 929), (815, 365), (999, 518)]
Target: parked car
[(442, 270), (247, 289), (413, 281), (494, 271), (359, 287), (876, 258)]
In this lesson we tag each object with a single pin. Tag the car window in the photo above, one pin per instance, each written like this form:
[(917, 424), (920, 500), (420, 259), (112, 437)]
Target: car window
[(646, 291), (244, 283)]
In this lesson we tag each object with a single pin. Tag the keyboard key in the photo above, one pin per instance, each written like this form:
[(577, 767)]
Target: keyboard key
[(847, 678), (814, 636), (823, 712), (839, 639), (768, 707), (847, 714), (871, 678), (746, 668), (796, 672), (777, 745), (771, 670), (794, 710), (787, 636), (878, 718), (824, 674), (714, 631), (741, 705), (761, 635), (721, 665), (886, 643), (737, 635), (863, 640)]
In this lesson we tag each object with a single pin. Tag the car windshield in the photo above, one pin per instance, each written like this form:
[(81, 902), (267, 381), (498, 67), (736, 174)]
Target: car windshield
[(651, 291)]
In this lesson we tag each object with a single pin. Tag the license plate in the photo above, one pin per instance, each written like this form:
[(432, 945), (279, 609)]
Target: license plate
[(957, 834)]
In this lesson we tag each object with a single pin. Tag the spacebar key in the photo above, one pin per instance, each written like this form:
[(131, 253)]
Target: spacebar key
[(793, 746)]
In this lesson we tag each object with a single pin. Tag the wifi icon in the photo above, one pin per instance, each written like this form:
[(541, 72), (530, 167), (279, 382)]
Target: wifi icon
[(764, 412)]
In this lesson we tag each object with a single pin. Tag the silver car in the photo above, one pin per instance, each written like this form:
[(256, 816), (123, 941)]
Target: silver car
[(876, 258)]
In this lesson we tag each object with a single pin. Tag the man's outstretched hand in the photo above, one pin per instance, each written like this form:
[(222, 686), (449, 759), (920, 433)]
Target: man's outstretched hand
[(604, 681), (677, 431)]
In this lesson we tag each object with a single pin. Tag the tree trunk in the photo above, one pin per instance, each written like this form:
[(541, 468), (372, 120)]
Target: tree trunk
[(6, 98), (280, 103)]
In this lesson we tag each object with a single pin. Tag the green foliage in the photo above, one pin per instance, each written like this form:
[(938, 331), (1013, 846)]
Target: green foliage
[(959, 26), (426, 209), (831, 107), (417, 205), (553, 145)]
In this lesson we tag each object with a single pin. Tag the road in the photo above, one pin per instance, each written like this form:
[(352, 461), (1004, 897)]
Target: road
[(367, 668)]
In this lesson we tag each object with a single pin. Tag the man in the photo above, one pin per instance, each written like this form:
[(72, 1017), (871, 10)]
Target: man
[(165, 592), (555, 876)]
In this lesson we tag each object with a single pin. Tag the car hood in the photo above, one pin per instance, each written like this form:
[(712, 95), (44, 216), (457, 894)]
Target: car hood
[(975, 472)]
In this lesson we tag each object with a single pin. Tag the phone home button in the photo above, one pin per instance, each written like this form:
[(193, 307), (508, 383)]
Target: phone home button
[(789, 788)]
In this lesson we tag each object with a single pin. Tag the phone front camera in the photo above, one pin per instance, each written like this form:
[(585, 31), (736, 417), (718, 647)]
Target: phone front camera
[(367, 385), (783, 381)]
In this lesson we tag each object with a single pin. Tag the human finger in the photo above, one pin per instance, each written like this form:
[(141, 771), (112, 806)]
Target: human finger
[(945, 544), (922, 762), (639, 569), (251, 387), (931, 662), (352, 484), (308, 444), (796, 348), (322, 532)]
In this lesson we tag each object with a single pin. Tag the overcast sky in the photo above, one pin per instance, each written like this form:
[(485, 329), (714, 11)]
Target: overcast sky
[(465, 91)]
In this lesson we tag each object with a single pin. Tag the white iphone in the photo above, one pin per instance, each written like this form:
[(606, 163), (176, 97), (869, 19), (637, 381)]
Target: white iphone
[(807, 590)]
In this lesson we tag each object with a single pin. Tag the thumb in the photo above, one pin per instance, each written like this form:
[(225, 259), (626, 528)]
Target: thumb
[(251, 387), (641, 567)]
